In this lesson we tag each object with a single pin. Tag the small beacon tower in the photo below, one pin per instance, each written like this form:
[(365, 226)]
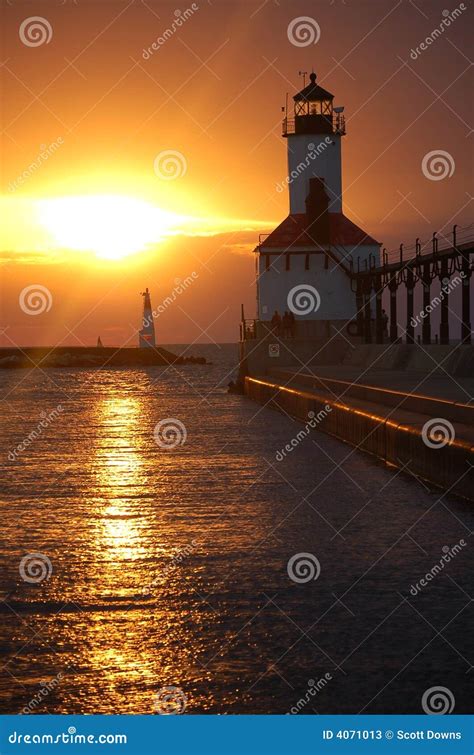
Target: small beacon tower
[(146, 336)]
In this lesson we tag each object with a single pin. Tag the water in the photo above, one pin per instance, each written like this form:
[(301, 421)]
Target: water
[(169, 567)]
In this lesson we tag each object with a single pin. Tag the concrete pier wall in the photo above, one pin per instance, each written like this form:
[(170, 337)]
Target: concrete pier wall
[(431, 406), (450, 467), (259, 355)]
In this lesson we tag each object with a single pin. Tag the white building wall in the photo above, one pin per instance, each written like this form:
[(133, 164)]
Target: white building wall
[(323, 160), (337, 301)]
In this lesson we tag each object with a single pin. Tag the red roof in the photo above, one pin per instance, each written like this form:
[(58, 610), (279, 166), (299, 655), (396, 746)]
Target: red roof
[(342, 232)]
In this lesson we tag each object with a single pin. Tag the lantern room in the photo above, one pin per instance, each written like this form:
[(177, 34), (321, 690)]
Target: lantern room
[(313, 112)]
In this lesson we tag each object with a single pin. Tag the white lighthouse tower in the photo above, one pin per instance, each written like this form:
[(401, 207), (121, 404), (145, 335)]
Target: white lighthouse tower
[(308, 303), (146, 336), (314, 127), (304, 265)]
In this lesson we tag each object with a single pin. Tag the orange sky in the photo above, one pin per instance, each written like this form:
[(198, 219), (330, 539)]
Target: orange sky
[(212, 94)]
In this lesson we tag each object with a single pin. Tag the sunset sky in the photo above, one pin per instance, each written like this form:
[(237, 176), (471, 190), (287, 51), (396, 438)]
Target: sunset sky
[(105, 213)]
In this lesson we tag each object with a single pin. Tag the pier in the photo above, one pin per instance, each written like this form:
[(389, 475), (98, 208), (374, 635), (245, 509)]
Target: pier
[(323, 346), (406, 400), (423, 435)]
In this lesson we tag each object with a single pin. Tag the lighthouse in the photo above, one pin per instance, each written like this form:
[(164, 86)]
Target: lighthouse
[(146, 336), (305, 265), (314, 129)]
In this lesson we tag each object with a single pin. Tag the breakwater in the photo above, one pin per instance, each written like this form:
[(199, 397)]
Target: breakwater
[(84, 356)]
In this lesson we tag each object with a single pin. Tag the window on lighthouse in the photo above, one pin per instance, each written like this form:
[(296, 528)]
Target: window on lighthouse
[(318, 107), (321, 107), (301, 108)]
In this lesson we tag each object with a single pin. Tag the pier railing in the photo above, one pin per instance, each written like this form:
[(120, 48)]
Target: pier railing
[(424, 263), (302, 330)]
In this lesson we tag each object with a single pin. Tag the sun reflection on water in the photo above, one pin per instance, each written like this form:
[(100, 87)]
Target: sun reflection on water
[(121, 480)]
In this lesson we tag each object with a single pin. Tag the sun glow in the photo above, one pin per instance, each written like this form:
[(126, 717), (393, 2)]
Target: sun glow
[(110, 226)]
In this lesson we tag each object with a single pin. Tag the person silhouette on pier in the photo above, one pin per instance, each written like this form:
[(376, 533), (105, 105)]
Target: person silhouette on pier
[(276, 322), (286, 325)]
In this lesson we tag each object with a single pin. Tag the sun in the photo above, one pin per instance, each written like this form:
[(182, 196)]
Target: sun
[(110, 226)]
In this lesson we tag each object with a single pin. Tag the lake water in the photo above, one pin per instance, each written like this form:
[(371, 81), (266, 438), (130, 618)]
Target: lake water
[(165, 563)]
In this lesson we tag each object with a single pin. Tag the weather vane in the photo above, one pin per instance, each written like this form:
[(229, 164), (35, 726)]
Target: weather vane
[(303, 74)]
